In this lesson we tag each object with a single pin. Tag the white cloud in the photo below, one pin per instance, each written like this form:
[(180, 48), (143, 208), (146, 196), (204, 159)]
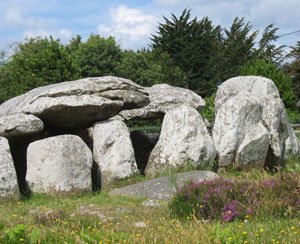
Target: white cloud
[(128, 25), (14, 17)]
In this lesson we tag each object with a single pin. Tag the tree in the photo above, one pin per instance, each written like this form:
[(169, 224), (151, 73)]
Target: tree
[(237, 48), (294, 67), (36, 62), (267, 50), (281, 80), (147, 68), (192, 45), (97, 56)]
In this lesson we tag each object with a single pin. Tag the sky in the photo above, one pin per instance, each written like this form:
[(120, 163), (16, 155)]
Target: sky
[(131, 21)]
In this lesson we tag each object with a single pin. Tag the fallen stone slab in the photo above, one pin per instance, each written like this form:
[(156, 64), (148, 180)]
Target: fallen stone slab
[(163, 188)]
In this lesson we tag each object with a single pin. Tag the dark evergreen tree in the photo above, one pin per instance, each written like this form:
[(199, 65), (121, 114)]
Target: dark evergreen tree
[(238, 48), (192, 45), (267, 50)]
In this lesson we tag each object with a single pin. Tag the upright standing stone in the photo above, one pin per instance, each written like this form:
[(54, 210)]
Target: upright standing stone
[(8, 177), (184, 140), (113, 151), (59, 164)]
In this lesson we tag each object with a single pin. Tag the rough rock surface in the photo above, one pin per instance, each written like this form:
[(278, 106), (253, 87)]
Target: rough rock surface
[(239, 134), (20, 125), (164, 98), (78, 103), (163, 188), (273, 118), (113, 151), (59, 164), (8, 177), (254, 85), (184, 139), (292, 146)]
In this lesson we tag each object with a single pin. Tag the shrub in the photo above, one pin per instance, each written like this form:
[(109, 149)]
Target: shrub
[(227, 200)]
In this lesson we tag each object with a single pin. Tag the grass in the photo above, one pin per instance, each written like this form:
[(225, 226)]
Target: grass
[(101, 218)]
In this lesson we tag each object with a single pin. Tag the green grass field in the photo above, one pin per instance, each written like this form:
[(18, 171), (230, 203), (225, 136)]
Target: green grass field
[(101, 218)]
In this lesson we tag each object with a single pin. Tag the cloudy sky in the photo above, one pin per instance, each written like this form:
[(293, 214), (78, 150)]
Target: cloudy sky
[(131, 21)]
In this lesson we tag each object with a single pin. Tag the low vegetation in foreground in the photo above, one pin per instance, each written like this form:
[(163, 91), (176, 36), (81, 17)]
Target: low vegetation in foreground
[(241, 207)]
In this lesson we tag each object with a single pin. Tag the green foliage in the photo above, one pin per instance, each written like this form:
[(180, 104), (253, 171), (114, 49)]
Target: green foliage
[(147, 68), (281, 80), (237, 48), (294, 68), (16, 234), (267, 50), (97, 56), (192, 45), (209, 110), (293, 116), (36, 62)]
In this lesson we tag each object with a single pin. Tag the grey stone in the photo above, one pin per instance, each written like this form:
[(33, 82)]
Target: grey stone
[(163, 188), (60, 164), (183, 140), (256, 86), (239, 134), (262, 92), (292, 147), (78, 103), (163, 98), (8, 177), (113, 151), (20, 125)]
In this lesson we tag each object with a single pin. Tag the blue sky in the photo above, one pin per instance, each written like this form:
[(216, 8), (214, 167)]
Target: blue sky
[(132, 21)]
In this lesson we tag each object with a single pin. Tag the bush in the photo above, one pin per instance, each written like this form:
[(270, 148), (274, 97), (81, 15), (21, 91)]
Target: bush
[(209, 110), (293, 116), (227, 200)]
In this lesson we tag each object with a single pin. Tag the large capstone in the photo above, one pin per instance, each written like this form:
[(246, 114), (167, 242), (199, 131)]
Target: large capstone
[(164, 98), (79, 103), (8, 177), (20, 125), (113, 151), (184, 140), (60, 164)]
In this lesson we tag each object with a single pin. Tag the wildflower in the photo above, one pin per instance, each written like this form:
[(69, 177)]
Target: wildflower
[(230, 211), (138, 235), (292, 228), (244, 233), (261, 230), (281, 232), (229, 238), (21, 239), (256, 234)]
